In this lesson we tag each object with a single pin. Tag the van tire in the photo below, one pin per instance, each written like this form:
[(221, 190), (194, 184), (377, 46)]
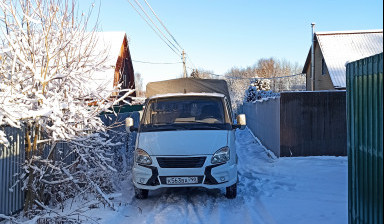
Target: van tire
[(231, 191), (141, 193)]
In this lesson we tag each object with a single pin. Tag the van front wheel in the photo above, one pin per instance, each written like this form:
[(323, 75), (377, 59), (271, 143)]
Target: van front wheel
[(141, 193), (231, 191)]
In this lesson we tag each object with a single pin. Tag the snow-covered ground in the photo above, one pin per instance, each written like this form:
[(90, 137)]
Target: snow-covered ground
[(284, 190)]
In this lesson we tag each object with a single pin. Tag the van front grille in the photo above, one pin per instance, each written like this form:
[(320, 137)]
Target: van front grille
[(181, 162)]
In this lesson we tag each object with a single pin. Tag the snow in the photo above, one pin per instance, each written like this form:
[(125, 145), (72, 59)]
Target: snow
[(270, 190), (259, 91), (186, 94), (109, 44), (112, 41)]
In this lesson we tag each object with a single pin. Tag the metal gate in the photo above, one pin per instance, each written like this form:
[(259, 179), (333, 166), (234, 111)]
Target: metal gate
[(365, 140)]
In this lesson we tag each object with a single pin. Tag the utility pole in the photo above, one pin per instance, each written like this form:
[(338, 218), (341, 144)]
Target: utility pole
[(185, 68)]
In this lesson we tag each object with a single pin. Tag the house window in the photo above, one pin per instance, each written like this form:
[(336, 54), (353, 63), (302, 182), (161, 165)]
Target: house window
[(323, 67)]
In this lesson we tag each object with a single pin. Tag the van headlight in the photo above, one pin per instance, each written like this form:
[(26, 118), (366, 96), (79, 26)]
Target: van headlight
[(142, 157), (221, 156)]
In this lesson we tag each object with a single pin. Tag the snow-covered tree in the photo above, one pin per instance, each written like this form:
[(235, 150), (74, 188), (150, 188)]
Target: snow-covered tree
[(47, 58)]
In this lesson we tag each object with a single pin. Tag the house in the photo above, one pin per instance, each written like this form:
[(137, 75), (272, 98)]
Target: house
[(118, 64), (333, 50)]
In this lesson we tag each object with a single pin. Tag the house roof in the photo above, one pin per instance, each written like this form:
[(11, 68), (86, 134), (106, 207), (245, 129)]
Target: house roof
[(341, 47), (112, 41), (108, 45)]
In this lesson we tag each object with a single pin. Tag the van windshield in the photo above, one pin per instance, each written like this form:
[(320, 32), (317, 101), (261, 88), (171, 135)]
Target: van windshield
[(185, 113)]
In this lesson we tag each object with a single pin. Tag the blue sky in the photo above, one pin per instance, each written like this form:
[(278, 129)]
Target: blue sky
[(220, 34)]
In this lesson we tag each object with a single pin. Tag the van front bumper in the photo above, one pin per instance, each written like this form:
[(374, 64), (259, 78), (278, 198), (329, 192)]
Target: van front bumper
[(209, 176)]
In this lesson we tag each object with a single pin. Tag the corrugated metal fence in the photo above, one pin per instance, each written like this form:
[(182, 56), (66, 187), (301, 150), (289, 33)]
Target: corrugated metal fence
[(11, 195), (313, 123), (365, 140), (263, 119), (301, 123)]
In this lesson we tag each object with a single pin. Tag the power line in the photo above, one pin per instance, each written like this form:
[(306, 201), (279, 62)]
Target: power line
[(169, 43), (281, 77), (181, 48), (142, 9), (157, 63), (252, 78), (189, 59), (162, 24), (270, 78), (140, 14)]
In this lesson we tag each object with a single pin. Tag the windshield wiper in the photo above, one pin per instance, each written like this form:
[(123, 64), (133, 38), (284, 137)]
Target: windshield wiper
[(192, 122), (199, 127), (163, 128), (160, 129)]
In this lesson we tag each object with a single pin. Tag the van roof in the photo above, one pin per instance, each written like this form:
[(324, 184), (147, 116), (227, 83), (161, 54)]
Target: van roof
[(188, 85), (187, 94)]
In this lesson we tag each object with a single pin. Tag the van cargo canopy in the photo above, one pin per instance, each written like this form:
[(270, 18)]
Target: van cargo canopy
[(188, 85)]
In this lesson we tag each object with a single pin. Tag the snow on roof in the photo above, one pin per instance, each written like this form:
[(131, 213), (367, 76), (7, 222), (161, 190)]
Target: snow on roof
[(348, 32), (102, 81), (339, 48), (109, 46), (187, 94), (112, 41)]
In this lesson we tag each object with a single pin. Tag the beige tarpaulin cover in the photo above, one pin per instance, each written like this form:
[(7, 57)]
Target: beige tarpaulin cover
[(188, 85)]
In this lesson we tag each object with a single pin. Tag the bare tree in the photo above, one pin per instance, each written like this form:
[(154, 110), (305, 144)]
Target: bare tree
[(239, 79), (281, 73), (202, 74), (292, 73), (266, 68), (48, 57)]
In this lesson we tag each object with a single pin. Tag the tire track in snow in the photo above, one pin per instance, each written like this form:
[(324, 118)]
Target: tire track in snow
[(168, 204), (199, 205), (194, 206)]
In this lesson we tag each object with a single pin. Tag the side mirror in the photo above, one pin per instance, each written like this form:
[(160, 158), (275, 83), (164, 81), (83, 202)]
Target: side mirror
[(241, 121), (129, 124)]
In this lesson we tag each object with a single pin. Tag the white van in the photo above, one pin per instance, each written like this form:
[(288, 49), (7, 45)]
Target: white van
[(186, 137)]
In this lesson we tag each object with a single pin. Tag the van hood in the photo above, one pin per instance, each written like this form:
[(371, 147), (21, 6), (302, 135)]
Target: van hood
[(182, 143)]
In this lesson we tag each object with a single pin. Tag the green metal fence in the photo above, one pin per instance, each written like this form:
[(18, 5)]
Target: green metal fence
[(365, 140)]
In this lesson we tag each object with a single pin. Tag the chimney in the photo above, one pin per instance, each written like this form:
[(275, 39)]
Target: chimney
[(313, 58)]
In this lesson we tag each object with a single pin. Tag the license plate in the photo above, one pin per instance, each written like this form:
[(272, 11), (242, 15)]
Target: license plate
[(182, 180)]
